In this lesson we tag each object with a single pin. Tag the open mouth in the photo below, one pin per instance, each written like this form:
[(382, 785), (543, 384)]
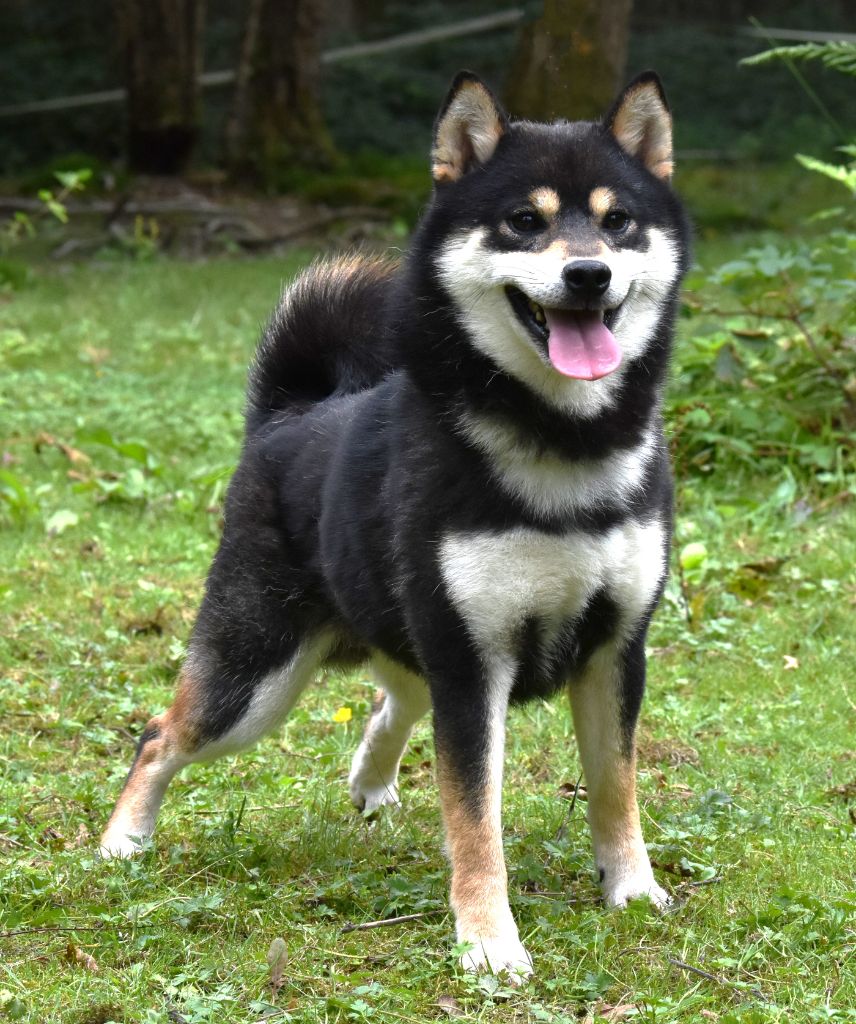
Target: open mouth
[(578, 342)]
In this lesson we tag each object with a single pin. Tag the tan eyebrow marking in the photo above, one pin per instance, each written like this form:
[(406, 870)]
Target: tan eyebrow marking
[(546, 201), (601, 201)]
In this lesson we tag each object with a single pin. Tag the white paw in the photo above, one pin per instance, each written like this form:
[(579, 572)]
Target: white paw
[(368, 798), (631, 887), (115, 845), (493, 956)]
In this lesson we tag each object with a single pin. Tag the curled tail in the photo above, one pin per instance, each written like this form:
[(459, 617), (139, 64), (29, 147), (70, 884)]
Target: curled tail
[(326, 338)]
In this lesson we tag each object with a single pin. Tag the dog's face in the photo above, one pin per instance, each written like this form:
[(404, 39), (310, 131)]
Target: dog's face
[(560, 245)]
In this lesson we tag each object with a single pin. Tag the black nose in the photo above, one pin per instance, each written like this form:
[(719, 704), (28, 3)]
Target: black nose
[(587, 279)]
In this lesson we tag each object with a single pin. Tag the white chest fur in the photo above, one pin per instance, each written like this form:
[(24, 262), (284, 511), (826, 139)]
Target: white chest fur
[(499, 580), (549, 484)]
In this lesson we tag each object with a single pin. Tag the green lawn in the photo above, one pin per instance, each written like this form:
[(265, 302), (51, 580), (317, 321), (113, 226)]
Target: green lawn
[(120, 418)]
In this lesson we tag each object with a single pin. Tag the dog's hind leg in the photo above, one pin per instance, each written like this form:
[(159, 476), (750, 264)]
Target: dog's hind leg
[(373, 781), (605, 701), (217, 710), (165, 746)]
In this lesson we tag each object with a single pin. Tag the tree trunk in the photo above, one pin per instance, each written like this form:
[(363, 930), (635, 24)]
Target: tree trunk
[(276, 120), (161, 44), (570, 61)]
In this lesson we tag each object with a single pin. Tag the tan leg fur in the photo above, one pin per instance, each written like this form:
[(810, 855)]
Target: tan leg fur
[(479, 896), (609, 770)]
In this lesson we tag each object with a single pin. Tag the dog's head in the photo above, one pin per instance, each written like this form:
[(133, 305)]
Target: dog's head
[(560, 245)]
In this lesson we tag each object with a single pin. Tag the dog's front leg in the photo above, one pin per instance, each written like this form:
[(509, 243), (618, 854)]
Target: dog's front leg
[(605, 701), (470, 740)]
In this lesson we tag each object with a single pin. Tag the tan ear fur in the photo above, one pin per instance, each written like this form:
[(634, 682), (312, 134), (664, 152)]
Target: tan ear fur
[(467, 133), (642, 124)]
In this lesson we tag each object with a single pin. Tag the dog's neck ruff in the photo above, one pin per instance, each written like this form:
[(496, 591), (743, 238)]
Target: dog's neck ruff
[(550, 485)]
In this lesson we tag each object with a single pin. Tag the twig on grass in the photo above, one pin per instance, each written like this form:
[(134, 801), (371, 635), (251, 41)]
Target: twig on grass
[(736, 986), (835, 499), (384, 922), (52, 928), (700, 882), (563, 827), (561, 896), (685, 594)]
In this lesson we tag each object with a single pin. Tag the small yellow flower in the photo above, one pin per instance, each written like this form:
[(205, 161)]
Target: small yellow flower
[(342, 715)]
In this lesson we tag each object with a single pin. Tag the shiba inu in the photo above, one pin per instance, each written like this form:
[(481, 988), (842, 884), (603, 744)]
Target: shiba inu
[(454, 468)]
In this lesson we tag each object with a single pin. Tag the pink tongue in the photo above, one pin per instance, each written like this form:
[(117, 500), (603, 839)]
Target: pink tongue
[(579, 345)]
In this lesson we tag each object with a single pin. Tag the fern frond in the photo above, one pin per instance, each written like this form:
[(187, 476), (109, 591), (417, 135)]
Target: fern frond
[(837, 55)]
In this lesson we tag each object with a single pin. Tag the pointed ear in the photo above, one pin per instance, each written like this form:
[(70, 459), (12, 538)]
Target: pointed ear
[(468, 128), (641, 122)]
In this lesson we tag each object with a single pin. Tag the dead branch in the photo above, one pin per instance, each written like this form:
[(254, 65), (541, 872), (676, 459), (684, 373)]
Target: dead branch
[(366, 925)]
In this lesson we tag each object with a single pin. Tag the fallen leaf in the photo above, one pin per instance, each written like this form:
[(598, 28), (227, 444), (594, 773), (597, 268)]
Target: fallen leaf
[(682, 790), (60, 521), (766, 566), (43, 440), (450, 1006), (609, 1011), (277, 958), (73, 455), (51, 837), (81, 838), (93, 354), (76, 955), (620, 1010), (151, 626), (846, 791), (568, 789)]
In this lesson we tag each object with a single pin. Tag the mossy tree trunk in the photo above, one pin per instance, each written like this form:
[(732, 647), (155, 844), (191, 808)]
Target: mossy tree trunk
[(276, 121), (161, 48), (570, 62)]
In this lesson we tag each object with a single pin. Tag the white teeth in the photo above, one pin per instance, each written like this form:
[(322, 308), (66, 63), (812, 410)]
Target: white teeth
[(536, 311)]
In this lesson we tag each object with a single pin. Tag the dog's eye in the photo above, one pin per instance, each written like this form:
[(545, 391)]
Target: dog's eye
[(616, 220), (525, 221)]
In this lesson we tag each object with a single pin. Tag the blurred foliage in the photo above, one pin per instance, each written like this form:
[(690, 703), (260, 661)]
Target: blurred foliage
[(21, 225), (783, 388), (837, 56), (766, 373), (385, 102)]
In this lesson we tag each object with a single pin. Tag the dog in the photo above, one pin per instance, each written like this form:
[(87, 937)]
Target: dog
[(455, 469)]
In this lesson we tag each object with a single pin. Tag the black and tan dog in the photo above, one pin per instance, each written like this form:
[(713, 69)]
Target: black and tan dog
[(455, 468)]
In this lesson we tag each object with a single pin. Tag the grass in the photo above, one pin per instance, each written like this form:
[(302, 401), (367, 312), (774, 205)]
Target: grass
[(120, 404)]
